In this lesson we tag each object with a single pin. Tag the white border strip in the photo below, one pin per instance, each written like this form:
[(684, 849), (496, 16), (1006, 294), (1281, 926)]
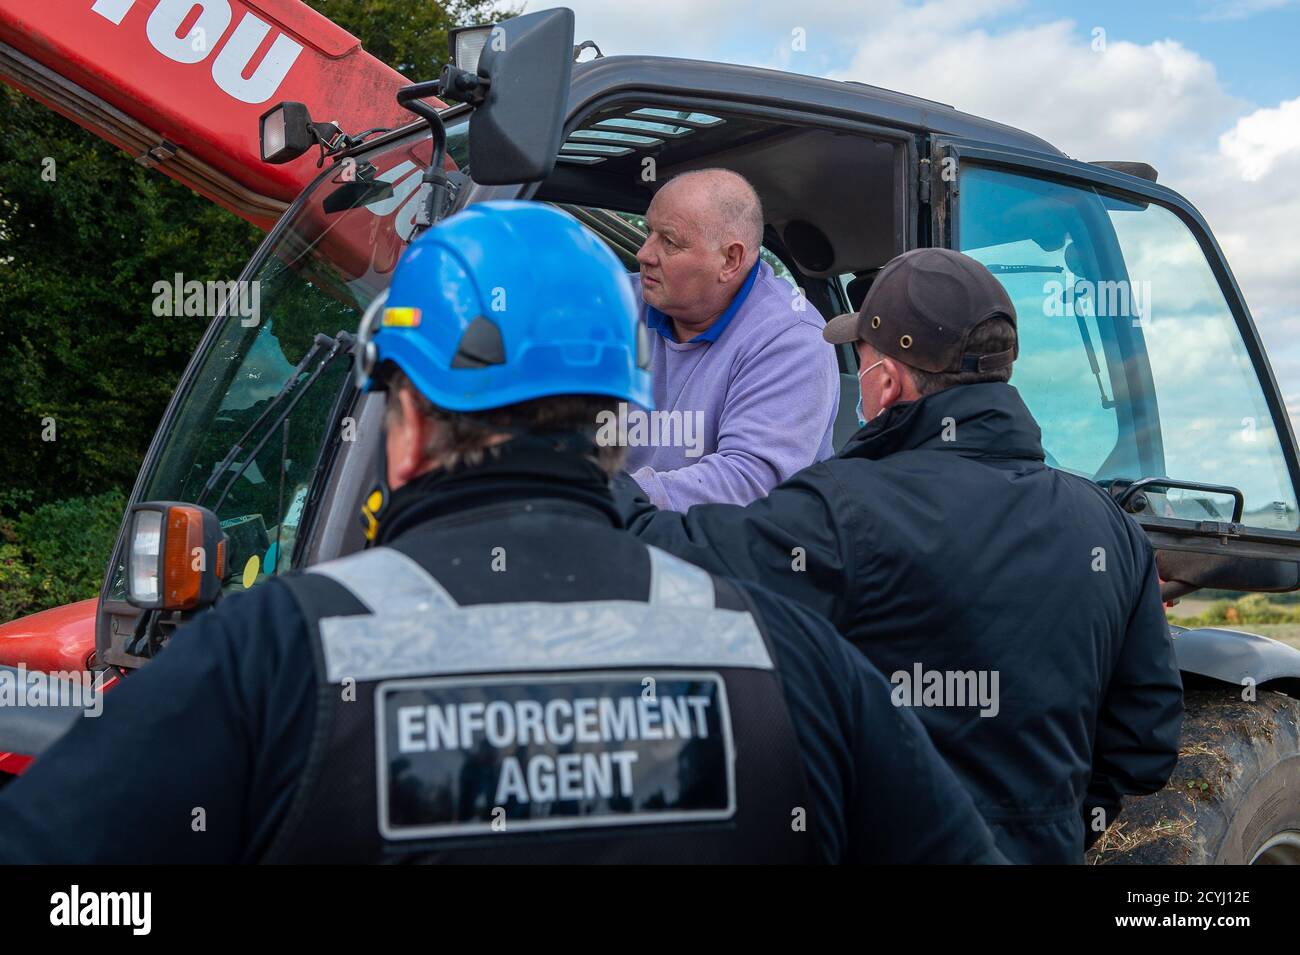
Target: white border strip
[(523, 637)]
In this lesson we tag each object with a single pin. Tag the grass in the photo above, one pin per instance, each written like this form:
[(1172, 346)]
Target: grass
[(1264, 614)]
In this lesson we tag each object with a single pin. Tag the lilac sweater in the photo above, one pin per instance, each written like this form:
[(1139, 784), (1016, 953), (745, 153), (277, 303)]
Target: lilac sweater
[(757, 405)]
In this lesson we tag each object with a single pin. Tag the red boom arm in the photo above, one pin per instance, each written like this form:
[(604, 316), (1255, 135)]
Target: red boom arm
[(180, 84)]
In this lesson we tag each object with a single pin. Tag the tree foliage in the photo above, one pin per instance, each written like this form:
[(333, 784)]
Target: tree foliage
[(411, 37), (85, 233)]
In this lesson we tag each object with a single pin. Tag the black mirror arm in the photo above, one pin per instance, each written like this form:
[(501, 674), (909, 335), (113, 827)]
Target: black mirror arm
[(439, 186)]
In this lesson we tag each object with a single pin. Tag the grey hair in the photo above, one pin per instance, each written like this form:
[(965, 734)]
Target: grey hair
[(739, 211), (466, 438), (988, 337)]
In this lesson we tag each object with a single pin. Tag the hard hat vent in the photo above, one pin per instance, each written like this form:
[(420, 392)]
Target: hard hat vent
[(480, 345)]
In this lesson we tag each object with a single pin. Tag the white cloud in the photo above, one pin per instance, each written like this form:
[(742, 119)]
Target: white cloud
[(1254, 219), (1124, 101), (1242, 9), (1258, 141)]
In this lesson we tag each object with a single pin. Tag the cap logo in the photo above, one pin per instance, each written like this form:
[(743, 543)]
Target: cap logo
[(905, 341), (402, 317)]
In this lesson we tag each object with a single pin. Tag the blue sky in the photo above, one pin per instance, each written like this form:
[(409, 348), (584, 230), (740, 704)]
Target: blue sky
[(1252, 45)]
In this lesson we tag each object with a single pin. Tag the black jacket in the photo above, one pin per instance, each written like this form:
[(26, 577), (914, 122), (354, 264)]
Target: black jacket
[(938, 540), (224, 717)]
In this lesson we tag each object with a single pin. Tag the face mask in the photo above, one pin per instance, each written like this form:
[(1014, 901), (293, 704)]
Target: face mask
[(862, 422)]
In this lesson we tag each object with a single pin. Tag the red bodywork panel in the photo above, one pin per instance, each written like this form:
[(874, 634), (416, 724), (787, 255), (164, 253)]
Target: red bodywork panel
[(198, 74), (59, 639)]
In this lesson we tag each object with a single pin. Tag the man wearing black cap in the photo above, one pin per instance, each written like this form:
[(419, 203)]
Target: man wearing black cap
[(1015, 606)]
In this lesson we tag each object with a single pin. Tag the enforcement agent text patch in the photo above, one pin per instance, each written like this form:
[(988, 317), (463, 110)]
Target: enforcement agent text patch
[(456, 754)]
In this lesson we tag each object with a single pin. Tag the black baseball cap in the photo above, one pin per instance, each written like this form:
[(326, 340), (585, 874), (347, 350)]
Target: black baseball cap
[(922, 308)]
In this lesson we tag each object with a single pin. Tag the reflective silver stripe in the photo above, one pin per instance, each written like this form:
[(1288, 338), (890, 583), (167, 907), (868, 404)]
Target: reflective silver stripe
[(519, 637), (387, 581), (678, 584)]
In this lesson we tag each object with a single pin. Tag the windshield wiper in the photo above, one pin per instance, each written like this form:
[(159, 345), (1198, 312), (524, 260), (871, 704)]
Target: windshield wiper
[(291, 392), (1072, 296)]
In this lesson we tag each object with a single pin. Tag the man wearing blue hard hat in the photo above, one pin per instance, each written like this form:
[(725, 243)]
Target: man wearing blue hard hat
[(505, 675)]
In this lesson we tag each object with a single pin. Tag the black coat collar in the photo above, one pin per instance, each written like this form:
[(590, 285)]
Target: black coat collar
[(522, 470), (983, 420)]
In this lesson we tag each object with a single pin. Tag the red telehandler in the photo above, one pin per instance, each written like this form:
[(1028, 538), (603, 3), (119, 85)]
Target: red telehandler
[(181, 87), (266, 452)]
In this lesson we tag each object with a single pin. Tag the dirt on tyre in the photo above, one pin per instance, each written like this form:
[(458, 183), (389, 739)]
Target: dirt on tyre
[(1234, 797)]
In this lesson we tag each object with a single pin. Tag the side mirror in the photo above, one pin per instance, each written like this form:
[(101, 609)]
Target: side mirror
[(175, 558), (515, 133)]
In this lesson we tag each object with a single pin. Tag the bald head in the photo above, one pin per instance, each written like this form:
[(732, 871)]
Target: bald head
[(705, 229), (728, 209)]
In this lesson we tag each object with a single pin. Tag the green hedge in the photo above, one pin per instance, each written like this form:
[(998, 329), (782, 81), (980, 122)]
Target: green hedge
[(56, 553), (1254, 608)]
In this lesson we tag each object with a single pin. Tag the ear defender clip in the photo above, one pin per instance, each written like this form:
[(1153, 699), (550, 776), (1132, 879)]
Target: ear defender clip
[(372, 511)]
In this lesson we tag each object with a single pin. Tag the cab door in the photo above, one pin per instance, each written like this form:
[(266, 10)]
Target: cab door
[(1138, 356)]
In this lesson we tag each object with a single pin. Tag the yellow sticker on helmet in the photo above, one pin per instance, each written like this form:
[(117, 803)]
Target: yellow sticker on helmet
[(402, 317)]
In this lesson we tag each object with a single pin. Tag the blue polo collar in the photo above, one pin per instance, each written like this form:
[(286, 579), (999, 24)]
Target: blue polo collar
[(662, 324)]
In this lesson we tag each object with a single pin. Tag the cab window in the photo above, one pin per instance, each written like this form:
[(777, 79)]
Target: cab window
[(1130, 357)]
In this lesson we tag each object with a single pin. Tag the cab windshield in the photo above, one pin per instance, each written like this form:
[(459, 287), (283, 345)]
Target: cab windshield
[(1130, 357), (325, 263)]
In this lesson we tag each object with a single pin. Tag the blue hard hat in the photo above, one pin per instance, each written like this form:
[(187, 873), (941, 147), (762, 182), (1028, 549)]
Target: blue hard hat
[(504, 302)]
